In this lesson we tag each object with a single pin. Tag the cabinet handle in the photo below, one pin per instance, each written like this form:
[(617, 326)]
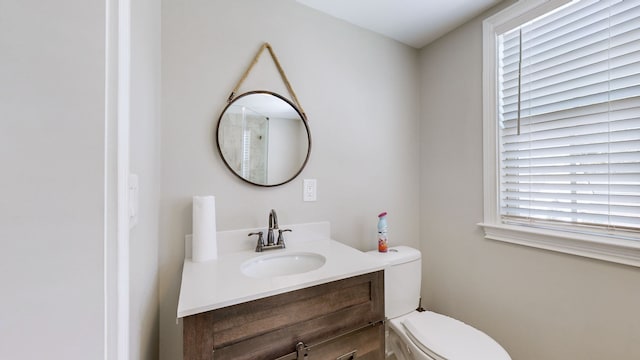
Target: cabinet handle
[(348, 356), (301, 351)]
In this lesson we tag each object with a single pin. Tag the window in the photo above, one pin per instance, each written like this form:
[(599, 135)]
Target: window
[(562, 127)]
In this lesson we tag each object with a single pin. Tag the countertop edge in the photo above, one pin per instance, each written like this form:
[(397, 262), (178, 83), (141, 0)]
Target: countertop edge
[(202, 283), (262, 295)]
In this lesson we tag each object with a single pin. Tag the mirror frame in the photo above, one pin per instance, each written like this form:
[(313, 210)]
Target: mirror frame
[(302, 117)]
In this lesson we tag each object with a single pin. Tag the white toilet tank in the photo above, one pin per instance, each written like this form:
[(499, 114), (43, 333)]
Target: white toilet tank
[(402, 276)]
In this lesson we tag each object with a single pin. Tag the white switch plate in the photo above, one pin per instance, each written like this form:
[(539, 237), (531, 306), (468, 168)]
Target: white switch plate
[(133, 200), (309, 190)]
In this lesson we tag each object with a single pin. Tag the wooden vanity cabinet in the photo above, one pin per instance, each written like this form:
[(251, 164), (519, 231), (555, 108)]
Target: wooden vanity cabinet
[(331, 319)]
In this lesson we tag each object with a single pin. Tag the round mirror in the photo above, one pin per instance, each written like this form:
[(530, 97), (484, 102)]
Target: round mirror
[(263, 138)]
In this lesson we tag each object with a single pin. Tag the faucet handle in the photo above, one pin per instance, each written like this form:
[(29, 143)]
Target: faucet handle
[(281, 237), (260, 242)]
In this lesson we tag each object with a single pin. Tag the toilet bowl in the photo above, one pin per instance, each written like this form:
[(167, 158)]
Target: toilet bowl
[(425, 335)]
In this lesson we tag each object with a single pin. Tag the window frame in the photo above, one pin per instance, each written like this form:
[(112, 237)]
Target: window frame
[(607, 247)]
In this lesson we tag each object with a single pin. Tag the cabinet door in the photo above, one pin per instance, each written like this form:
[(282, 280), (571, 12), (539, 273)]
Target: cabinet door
[(366, 344), (268, 328)]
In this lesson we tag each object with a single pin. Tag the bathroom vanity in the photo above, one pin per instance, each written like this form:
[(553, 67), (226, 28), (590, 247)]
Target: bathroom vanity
[(248, 305)]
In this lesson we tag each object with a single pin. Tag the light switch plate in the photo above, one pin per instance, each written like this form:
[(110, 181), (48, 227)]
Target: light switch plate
[(309, 190), (133, 200)]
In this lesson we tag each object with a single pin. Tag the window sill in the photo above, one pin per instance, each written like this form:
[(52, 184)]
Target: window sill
[(605, 248)]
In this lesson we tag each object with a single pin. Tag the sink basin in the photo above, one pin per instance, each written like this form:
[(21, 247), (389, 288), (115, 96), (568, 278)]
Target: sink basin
[(282, 264)]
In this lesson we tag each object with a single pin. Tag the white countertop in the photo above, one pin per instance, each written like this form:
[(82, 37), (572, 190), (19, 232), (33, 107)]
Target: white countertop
[(218, 283)]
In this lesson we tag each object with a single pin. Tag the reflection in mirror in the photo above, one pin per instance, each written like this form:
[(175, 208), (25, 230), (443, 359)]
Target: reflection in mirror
[(263, 138)]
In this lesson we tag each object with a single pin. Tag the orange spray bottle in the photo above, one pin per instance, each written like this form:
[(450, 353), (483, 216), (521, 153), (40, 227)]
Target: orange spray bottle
[(382, 232)]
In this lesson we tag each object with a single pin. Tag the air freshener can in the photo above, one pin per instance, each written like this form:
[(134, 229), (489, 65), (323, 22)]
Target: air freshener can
[(382, 232)]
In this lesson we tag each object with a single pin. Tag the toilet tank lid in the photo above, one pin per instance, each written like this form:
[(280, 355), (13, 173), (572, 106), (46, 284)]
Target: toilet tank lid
[(397, 255)]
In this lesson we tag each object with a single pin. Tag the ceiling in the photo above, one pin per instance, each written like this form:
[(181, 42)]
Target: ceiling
[(413, 22)]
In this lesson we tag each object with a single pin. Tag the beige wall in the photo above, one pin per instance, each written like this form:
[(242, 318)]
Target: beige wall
[(358, 89), (144, 161), (384, 122), (52, 151), (52, 187), (537, 304), (363, 95)]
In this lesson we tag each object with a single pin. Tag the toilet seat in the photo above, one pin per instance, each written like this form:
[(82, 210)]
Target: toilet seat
[(444, 338)]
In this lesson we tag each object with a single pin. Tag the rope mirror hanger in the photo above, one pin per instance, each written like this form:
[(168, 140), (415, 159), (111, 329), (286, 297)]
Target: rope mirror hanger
[(280, 70)]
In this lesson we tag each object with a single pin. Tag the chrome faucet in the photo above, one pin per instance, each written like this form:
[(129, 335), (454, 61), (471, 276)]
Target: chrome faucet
[(271, 243), (273, 225)]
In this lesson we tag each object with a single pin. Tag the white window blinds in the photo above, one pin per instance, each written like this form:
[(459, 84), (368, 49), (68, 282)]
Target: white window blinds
[(569, 113)]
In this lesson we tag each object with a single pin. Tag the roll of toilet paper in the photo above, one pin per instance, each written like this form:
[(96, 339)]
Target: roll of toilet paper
[(204, 243)]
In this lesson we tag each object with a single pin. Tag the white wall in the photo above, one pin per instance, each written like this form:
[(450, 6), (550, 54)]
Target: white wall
[(537, 304), (145, 162), (52, 127), (358, 89)]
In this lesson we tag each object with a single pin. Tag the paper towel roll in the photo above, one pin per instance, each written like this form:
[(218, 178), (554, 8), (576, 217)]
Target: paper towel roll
[(204, 244)]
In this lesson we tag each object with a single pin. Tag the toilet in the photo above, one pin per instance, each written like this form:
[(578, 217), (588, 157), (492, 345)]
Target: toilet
[(425, 335)]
